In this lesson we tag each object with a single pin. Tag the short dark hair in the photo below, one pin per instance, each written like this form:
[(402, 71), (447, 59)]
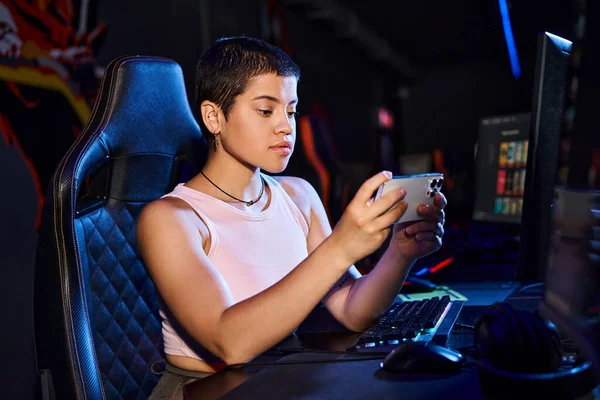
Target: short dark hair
[(227, 66)]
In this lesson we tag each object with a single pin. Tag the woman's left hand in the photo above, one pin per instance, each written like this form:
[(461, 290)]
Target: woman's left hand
[(418, 239)]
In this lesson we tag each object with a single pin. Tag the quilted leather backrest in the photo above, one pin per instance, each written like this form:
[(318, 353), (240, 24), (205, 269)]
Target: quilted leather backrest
[(96, 309)]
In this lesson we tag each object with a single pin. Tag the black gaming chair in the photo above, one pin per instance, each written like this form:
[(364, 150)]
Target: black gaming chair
[(97, 327)]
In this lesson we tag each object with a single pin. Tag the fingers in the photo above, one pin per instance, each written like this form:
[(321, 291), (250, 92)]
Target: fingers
[(432, 213), (429, 238), (385, 203), (364, 193), (440, 200), (426, 230), (390, 217), (426, 236)]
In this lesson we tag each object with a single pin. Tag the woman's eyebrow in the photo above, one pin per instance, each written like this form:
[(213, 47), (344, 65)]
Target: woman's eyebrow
[(273, 99)]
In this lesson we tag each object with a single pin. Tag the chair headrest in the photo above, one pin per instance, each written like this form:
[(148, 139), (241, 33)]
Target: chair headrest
[(141, 120)]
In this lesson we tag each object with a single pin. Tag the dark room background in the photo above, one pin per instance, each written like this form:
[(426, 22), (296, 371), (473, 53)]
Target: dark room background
[(438, 67)]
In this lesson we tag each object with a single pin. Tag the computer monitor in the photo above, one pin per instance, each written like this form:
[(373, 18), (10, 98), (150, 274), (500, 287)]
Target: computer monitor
[(572, 285), (501, 159), (553, 55)]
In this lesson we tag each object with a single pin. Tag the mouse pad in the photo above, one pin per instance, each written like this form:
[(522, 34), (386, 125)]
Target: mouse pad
[(472, 293), (327, 376), (438, 292), (484, 293)]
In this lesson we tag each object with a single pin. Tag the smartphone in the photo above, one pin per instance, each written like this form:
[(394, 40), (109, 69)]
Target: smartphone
[(420, 189)]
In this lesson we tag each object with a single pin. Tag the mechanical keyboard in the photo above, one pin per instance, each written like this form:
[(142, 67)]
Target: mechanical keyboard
[(419, 321)]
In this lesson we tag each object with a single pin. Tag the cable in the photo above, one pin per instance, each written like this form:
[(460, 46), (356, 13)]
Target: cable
[(532, 286), (318, 361), (464, 326), (294, 350)]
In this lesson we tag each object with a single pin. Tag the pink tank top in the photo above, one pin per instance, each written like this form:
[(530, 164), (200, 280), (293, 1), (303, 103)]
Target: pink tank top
[(251, 251)]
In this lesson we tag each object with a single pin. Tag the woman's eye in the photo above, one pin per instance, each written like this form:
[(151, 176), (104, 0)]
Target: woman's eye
[(293, 114), (265, 113)]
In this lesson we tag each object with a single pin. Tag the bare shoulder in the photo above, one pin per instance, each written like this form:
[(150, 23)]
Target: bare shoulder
[(161, 209), (166, 215), (297, 187), (301, 192)]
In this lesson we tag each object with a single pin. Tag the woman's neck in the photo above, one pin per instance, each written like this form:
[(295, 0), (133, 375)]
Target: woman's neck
[(233, 178)]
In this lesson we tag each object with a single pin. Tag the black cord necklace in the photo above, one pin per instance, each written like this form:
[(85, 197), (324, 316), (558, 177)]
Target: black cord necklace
[(247, 203)]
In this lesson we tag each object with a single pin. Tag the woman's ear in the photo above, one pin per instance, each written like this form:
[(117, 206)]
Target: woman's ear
[(210, 116)]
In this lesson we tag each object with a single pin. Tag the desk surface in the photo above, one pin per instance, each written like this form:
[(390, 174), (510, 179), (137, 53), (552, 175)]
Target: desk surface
[(352, 380), (362, 379)]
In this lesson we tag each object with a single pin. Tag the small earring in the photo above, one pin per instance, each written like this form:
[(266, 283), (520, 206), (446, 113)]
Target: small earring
[(215, 142)]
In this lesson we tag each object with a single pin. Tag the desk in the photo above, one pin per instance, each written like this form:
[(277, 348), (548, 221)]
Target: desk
[(353, 380), (362, 379), (343, 380)]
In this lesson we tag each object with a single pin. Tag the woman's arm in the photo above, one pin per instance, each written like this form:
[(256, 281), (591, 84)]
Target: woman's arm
[(357, 301), (370, 296), (195, 292)]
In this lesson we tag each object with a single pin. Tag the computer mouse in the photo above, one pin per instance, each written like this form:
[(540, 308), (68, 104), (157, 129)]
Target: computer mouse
[(423, 357)]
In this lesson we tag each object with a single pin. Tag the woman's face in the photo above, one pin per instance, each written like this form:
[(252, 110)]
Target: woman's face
[(260, 130)]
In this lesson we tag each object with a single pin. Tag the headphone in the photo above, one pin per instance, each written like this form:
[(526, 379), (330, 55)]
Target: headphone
[(519, 352)]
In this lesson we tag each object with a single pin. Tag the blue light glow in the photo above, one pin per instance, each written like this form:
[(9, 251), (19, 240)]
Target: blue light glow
[(510, 40)]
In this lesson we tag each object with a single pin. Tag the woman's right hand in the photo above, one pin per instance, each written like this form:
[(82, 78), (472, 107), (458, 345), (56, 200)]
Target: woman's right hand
[(365, 224)]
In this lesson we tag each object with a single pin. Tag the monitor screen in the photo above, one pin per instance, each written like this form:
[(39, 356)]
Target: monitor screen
[(572, 280), (501, 159)]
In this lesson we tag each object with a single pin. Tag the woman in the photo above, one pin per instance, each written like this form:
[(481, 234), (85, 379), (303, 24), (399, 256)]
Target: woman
[(240, 258)]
